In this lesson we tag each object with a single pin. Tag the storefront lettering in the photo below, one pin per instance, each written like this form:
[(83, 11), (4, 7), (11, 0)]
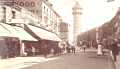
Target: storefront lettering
[(21, 4), (26, 4), (32, 4)]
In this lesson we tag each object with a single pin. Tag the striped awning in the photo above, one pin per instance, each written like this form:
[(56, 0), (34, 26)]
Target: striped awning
[(44, 34), (18, 32)]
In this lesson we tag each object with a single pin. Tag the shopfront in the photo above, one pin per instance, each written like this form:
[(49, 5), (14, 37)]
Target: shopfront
[(25, 38), (9, 47), (47, 40)]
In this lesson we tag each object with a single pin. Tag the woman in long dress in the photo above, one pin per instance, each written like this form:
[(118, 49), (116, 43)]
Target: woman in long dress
[(100, 48)]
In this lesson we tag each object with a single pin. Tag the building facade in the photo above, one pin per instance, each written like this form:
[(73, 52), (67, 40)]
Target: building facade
[(116, 22), (64, 31), (39, 12), (112, 28)]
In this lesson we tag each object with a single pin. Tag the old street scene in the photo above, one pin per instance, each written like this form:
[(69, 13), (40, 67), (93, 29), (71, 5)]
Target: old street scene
[(59, 34)]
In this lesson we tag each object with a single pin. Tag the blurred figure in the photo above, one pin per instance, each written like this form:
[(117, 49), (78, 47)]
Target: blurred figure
[(73, 47), (100, 49), (68, 49), (114, 49), (45, 50), (84, 46)]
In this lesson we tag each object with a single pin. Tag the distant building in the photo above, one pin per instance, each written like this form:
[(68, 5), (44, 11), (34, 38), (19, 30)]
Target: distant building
[(112, 28), (64, 31), (115, 22)]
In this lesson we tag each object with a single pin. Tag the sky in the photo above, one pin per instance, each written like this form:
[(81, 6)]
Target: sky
[(94, 12)]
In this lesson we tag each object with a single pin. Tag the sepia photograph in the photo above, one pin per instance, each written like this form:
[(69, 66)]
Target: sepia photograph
[(59, 34)]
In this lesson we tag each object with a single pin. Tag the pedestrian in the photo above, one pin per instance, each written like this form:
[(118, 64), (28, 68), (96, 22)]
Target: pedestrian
[(114, 49), (33, 51), (73, 49), (45, 50), (84, 46), (100, 49), (68, 49)]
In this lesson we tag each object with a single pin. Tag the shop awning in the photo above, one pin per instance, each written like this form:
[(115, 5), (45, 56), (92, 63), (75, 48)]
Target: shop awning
[(19, 32), (23, 35), (43, 34), (5, 32)]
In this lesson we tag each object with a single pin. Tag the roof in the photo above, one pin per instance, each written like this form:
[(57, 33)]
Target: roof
[(19, 32), (77, 5), (44, 34)]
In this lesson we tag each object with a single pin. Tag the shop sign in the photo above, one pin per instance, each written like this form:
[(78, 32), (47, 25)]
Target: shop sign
[(25, 3)]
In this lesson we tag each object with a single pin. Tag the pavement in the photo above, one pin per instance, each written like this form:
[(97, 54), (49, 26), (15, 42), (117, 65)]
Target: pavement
[(21, 62), (79, 60), (24, 62)]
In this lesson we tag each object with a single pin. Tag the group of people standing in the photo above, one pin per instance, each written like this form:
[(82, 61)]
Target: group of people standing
[(70, 49)]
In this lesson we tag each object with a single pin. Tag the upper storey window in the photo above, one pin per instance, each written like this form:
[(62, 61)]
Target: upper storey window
[(13, 14)]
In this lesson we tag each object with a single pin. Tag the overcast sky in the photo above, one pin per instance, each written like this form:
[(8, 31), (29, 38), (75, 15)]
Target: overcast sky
[(95, 12)]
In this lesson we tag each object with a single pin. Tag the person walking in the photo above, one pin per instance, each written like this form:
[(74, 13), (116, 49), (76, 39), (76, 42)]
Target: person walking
[(114, 49), (84, 46), (45, 50)]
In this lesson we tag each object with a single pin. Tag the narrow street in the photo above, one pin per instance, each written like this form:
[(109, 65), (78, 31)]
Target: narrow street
[(80, 60)]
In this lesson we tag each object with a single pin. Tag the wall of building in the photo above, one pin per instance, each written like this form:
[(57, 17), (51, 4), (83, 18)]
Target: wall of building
[(22, 16), (50, 19), (39, 12), (64, 31)]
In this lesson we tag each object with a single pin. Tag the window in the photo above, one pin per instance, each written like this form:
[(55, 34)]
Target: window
[(13, 14), (44, 9), (4, 14), (47, 12)]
